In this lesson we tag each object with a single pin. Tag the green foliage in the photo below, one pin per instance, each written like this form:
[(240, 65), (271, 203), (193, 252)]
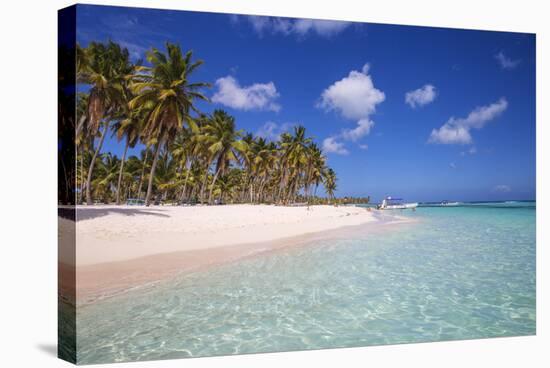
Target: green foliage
[(187, 153)]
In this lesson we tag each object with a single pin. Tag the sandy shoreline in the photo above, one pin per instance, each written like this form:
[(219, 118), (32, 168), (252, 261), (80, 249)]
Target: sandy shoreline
[(123, 247), (111, 234)]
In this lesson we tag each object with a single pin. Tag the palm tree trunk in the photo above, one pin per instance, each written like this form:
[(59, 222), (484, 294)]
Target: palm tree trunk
[(185, 183), (142, 173), (152, 173), (120, 172), (81, 194), (251, 191), (261, 190), (212, 187), (243, 190), (80, 125), (89, 199), (204, 182), (281, 185), (192, 192)]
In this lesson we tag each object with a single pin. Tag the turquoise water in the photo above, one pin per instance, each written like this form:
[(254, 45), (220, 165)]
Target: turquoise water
[(458, 273)]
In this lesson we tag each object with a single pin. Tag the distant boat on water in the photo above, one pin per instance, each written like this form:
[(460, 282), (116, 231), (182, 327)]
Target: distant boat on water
[(447, 203), (390, 203)]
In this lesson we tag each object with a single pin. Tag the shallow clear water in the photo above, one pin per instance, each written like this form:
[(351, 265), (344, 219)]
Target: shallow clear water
[(459, 273)]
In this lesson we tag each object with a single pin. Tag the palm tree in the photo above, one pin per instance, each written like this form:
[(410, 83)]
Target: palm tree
[(268, 168), (105, 68), (314, 168), (223, 144), (84, 143), (84, 157), (330, 183), (227, 186), (165, 178), (130, 129), (185, 148), (294, 150), (144, 155), (248, 165), (262, 160), (154, 105), (131, 176), (165, 92), (108, 167)]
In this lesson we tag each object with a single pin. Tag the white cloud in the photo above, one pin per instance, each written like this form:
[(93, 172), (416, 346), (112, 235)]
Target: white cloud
[(272, 131), (471, 151), (505, 62), (449, 134), (258, 96), (421, 96), (452, 165), (457, 131), (325, 28), (362, 129), (355, 98), (364, 146), (502, 188), (331, 145), (300, 27)]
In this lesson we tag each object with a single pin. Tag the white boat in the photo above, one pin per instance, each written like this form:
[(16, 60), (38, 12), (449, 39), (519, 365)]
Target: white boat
[(390, 203), (447, 204)]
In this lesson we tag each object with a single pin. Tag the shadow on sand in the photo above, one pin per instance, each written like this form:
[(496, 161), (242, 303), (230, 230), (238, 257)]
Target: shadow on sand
[(87, 213)]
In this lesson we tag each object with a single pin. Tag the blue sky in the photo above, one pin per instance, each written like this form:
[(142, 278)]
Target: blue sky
[(422, 113)]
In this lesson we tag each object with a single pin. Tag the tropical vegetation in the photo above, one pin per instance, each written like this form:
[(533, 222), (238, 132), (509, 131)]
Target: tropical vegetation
[(187, 156)]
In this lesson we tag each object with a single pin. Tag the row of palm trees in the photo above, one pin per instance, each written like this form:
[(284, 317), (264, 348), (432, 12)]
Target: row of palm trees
[(188, 155)]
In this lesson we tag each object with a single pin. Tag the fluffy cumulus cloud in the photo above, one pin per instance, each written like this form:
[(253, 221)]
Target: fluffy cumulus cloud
[(505, 62), (300, 27), (457, 130), (258, 96), (421, 96), (354, 97), (272, 131), (331, 145), (502, 188), (362, 129)]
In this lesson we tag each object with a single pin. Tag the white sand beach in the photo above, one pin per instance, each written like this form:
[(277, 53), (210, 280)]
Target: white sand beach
[(120, 233), (119, 247)]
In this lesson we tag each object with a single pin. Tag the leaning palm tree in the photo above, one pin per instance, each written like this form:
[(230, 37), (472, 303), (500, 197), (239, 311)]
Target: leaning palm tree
[(107, 173), (314, 168), (131, 176), (223, 143), (248, 165), (165, 178), (129, 129), (105, 68), (165, 92), (144, 165), (184, 149), (294, 149), (329, 181), (84, 143)]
